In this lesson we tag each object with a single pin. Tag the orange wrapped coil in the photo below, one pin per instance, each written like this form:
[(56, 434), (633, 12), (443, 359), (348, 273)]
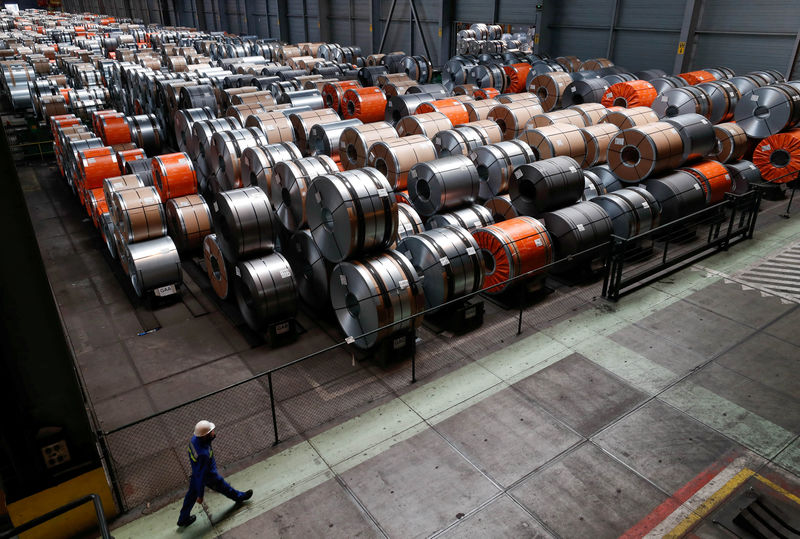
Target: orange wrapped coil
[(452, 108), (96, 204), (778, 156), (635, 93), (485, 93), (174, 176), (696, 77), (511, 248), (62, 120), (114, 130), (126, 156), (333, 92), (517, 76), (714, 178), (95, 165), (366, 104), (97, 116)]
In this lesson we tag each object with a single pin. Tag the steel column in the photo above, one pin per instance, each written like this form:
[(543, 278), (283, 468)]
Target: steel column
[(496, 11), (691, 15), (375, 24), (611, 33), (324, 25), (419, 27), (446, 30), (283, 21), (793, 59), (305, 22), (386, 27)]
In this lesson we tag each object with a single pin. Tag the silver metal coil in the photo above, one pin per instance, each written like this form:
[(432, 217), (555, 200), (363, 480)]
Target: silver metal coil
[(444, 183), (224, 156), (467, 217), (303, 98), (546, 185), (258, 163), (697, 134), (496, 162), (245, 222), (501, 208), (289, 187), (688, 100), (678, 194), (323, 139), (584, 91), (400, 106), (266, 290), (578, 228), (743, 175), (312, 272), (633, 211), (184, 120), (153, 264), (769, 110), (408, 221)]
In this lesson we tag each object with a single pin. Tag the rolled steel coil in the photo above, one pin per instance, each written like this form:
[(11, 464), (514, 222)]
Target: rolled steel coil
[(245, 222), (550, 88), (595, 63), (119, 183), (746, 83), (184, 120), (501, 208), (96, 205), (640, 152), (418, 68), (396, 88), (188, 221), (633, 211), (577, 231), (139, 214), (174, 175), (517, 76), (479, 109), (597, 139), (365, 104), (333, 92), (495, 164), (242, 112), (690, 99), (464, 89), (678, 193), (302, 122), (456, 70), (697, 134), (731, 143), (394, 158), (275, 126), (200, 142), (769, 110), (146, 133), (513, 117), (610, 181), (266, 290), (289, 186), (142, 169), (311, 271), (723, 97), (368, 75), (462, 140), (584, 91), (616, 78), (153, 264), (426, 124), (442, 184), (351, 213), (122, 251), (264, 98), (556, 140), (769, 76), (485, 93), (114, 130), (635, 93), (714, 178), (565, 116), (398, 107), (258, 163), (224, 156), (197, 97), (375, 297), (95, 165), (468, 217), (355, 141), (218, 269), (569, 63), (390, 78), (696, 77), (512, 248), (721, 73), (778, 157), (302, 98), (488, 76), (628, 118), (323, 139), (454, 109), (408, 220), (667, 82), (743, 174), (449, 261), (592, 186), (548, 185), (650, 74)]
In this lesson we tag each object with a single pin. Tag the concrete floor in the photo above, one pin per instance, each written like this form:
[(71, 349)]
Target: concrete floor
[(597, 421)]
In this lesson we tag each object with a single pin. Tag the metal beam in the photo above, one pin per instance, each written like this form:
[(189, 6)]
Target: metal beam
[(283, 21), (306, 37), (375, 24), (611, 34), (496, 12), (446, 30), (419, 27), (386, 28), (691, 15), (324, 25), (793, 57), (538, 25)]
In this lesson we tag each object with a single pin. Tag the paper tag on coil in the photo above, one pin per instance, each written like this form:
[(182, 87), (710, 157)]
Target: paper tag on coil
[(609, 95), (238, 272), (268, 127), (286, 272), (403, 284), (572, 169), (518, 174), (444, 261), (437, 140), (560, 142), (580, 227), (381, 192), (343, 280), (766, 148), (216, 206), (317, 197), (727, 176), (703, 121), (165, 290), (572, 89), (697, 186), (413, 173), (664, 99), (645, 204), (349, 340), (753, 97), (619, 140), (538, 242), (470, 251), (731, 94)]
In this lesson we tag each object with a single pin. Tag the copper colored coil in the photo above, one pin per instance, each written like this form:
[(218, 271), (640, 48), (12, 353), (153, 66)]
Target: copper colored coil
[(696, 77), (635, 93), (333, 92), (302, 122), (714, 179), (355, 141), (479, 109), (778, 156), (392, 78), (556, 140), (592, 113), (569, 63), (262, 98), (731, 144), (275, 126), (427, 124), (124, 147), (365, 104), (177, 64), (464, 98), (100, 114), (394, 158), (513, 98), (485, 93), (549, 87), (188, 221), (464, 89), (96, 165), (501, 208), (174, 175), (512, 248), (139, 214), (628, 118), (124, 156), (96, 202), (258, 163), (64, 120), (565, 116), (597, 138), (513, 117), (242, 112), (639, 152), (397, 88), (119, 183), (230, 93), (594, 64), (517, 74), (452, 108), (217, 267)]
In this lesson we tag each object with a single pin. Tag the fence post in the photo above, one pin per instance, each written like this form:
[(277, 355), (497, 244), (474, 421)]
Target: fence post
[(414, 361), (118, 498), (272, 407)]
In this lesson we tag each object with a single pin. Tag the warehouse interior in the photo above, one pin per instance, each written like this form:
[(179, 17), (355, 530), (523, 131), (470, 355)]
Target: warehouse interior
[(453, 268)]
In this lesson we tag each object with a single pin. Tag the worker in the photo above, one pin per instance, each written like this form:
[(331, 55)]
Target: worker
[(204, 473)]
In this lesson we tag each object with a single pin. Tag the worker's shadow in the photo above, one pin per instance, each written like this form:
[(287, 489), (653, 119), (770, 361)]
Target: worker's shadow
[(216, 518)]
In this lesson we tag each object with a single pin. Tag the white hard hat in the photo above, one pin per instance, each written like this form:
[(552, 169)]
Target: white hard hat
[(203, 427)]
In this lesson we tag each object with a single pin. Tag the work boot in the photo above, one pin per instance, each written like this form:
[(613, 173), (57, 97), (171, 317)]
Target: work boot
[(188, 521), (245, 496)]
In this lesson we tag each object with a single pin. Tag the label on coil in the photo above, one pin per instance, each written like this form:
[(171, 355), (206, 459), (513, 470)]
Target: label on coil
[(413, 173), (165, 290), (238, 272), (580, 227), (697, 186), (343, 280), (518, 174), (559, 142), (470, 251), (282, 328), (727, 176), (286, 273), (216, 206), (318, 197), (382, 192), (444, 261), (538, 242), (349, 340), (573, 89), (645, 204), (403, 284), (754, 97), (766, 148), (619, 140), (572, 169)]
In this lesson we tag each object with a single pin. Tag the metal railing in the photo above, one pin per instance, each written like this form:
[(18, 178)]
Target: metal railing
[(38, 521)]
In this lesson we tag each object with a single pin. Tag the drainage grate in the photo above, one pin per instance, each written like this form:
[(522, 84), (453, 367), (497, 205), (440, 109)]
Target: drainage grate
[(778, 275)]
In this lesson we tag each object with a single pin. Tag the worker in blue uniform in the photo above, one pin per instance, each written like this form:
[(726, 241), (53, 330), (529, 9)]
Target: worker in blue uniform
[(204, 473)]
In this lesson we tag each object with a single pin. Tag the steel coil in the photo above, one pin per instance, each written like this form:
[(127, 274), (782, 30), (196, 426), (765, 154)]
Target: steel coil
[(408, 220), (743, 174), (543, 186), (584, 91), (302, 98), (485, 93), (769, 110), (714, 178), (667, 82), (184, 120), (333, 92), (245, 222), (426, 124), (174, 175), (496, 162), (275, 126), (565, 116), (323, 139), (401, 106), (302, 122), (258, 163), (351, 212), (696, 77), (592, 113), (629, 94), (218, 269), (468, 217), (188, 221), (466, 138), (642, 151), (442, 184), (501, 208), (355, 141), (311, 271), (628, 118), (119, 183), (517, 76), (479, 109), (488, 76), (197, 97), (365, 104), (513, 117), (550, 88), (691, 99), (394, 158), (289, 186), (723, 97), (139, 214), (266, 290), (417, 68), (633, 211), (454, 109), (577, 229), (697, 134), (224, 156), (731, 143), (554, 140), (153, 264), (678, 194), (597, 139)]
